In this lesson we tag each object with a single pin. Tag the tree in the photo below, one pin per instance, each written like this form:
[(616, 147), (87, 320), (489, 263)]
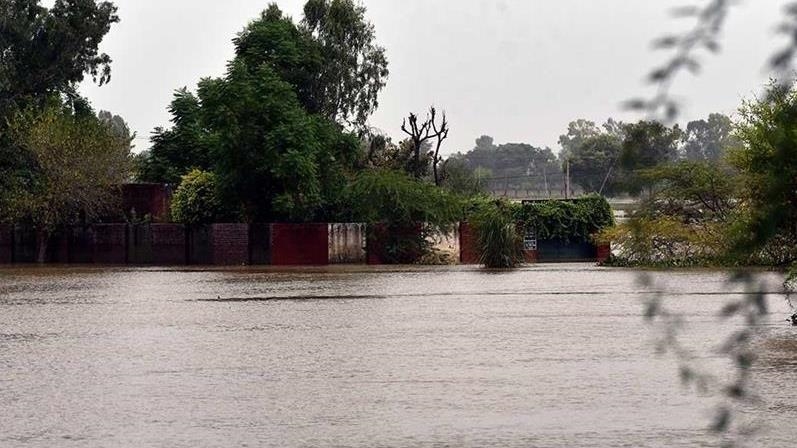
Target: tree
[(709, 139), (499, 242), (79, 164), (593, 154), (646, 145), (49, 51), (767, 162), (45, 52), (196, 200), (460, 178), (354, 66), (185, 146), (577, 133), (331, 57), (420, 133), (514, 166), (272, 158)]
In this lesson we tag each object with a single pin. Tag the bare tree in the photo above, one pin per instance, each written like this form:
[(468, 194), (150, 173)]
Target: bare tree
[(442, 134), (420, 133)]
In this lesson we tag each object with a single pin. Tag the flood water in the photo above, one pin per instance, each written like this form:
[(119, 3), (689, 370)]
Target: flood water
[(548, 356)]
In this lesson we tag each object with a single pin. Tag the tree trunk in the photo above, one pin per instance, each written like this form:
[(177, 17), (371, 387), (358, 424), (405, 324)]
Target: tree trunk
[(42, 238)]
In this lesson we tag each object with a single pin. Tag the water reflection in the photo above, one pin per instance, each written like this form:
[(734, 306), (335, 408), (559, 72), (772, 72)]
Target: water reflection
[(361, 357)]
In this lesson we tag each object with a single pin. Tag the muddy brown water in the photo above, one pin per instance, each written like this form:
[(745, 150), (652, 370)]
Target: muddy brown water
[(549, 356)]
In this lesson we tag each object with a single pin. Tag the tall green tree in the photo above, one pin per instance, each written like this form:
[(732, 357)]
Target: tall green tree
[(49, 51), (184, 146), (327, 71), (646, 145), (331, 57), (709, 139), (80, 162), (768, 129), (45, 52), (355, 67), (593, 154), (273, 158)]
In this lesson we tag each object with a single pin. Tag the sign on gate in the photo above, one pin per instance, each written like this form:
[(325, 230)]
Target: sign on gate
[(530, 241)]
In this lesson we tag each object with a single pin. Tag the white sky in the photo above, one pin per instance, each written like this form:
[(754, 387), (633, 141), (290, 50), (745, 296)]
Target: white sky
[(518, 70)]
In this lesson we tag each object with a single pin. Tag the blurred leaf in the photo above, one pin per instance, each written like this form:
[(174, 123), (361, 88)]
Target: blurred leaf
[(722, 420), (666, 42)]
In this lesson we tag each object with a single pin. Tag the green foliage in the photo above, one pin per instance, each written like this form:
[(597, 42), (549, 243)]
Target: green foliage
[(354, 68), (403, 211), (499, 243), (271, 128), (709, 140), (570, 221), (331, 58), (48, 51), (514, 166), (45, 53), (693, 192), (768, 129), (185, 146), (646, 145), (666, 242), (460, 179), (273, 158), (79, 163), (196, 200), (396, 198)]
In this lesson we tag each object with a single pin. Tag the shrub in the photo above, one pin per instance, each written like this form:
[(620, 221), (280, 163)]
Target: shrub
[(499, 243), (405, 210), (196, 200)]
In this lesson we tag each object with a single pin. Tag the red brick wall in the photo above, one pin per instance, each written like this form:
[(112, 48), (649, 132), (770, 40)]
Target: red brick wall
[(531, 256), (374, 247), (147, 199), (260, 244), (299, 244), (469, 253), (6, 244), (200, 244), (230, 244), (168, 244), (604, 252), (110, 243)]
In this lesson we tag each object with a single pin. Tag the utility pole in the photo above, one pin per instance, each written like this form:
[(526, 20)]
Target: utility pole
[(545, 177), (567, 180)]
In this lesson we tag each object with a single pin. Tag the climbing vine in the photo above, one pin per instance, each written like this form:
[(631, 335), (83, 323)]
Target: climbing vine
[(572, 221)]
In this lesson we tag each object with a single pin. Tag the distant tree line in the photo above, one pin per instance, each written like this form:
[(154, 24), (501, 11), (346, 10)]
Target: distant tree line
[(606, 159)]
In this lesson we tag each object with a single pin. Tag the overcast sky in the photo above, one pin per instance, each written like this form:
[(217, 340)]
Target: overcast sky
[(518, 70)]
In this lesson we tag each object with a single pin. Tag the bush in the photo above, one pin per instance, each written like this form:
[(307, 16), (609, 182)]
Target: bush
[(196, 200), (499, 243), (577, 220), (405, 211)]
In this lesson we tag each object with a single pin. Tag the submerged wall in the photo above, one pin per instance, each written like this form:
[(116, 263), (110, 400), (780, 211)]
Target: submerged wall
[(236, 244), (6, 244), (347, 243), (299, 244)]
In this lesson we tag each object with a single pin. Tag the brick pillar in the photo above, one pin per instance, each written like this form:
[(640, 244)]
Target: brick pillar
[(6, 244), (299, 244), (531, 256), (168, 244), (604, 252), (230, 244), (260, 244), (110, 243), (468, 245)]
